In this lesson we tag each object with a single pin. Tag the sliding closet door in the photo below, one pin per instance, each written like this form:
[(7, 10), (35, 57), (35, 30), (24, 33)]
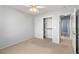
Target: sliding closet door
[(48, 28)]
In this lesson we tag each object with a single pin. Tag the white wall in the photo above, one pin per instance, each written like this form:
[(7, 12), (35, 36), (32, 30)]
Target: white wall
[(15, 26), (73, 30), (55, 24), (38, 27)]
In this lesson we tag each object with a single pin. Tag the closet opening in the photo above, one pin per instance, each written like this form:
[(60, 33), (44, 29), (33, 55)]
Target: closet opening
[(47, 28)]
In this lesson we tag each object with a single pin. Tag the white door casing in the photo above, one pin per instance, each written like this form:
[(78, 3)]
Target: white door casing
[(73, 30)]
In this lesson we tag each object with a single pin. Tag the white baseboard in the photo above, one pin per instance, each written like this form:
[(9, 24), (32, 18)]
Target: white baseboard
[(14, 43)]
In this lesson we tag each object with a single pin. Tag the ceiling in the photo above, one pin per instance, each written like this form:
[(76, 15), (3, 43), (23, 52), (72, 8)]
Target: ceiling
[(47, 8)]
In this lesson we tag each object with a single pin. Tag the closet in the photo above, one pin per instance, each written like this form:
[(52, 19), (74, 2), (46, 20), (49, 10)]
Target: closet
[(47, 28)]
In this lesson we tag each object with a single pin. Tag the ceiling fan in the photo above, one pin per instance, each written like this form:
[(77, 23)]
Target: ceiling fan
[(35, 8)]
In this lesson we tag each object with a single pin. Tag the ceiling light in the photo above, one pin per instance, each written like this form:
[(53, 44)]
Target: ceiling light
[(34, 9)]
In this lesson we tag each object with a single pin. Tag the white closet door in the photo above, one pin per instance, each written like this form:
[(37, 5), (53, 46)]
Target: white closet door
[(48, 28), (49, 23)]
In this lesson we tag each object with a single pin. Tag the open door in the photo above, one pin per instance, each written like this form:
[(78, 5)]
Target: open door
[(73, 30), (77, 32)]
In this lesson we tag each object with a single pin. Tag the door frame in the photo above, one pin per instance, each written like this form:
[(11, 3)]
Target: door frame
[(77, 34)]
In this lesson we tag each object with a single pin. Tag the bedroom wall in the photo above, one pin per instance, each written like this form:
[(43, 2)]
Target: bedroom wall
[(15, 26), (55, 24)]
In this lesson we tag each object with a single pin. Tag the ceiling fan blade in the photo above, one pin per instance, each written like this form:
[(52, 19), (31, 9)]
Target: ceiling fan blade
[(37, 6), (40, 6), (28, 5)]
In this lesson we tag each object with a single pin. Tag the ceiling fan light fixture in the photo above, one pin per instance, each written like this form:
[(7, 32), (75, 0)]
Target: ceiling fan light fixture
[(34, 9)]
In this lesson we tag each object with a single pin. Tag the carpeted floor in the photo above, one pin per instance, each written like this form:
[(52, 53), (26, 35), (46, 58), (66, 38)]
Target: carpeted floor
[(38, 46)]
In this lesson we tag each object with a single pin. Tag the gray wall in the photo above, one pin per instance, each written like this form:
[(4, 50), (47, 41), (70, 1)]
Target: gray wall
[(15, 26)]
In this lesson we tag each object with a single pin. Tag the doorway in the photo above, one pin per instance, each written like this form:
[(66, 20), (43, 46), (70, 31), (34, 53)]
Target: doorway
[(65, 26), (65, 30), (47, 26)]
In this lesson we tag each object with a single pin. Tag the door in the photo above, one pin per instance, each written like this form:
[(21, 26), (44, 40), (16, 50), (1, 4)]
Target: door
[(48, 28), (77, 36), (73, 30), (77, 32)]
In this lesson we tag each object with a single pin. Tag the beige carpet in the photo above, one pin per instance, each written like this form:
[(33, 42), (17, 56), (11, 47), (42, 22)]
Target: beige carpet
[(38, 46)]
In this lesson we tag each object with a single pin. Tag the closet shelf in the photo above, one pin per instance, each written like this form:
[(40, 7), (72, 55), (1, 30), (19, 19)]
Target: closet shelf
[(48, 28)]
